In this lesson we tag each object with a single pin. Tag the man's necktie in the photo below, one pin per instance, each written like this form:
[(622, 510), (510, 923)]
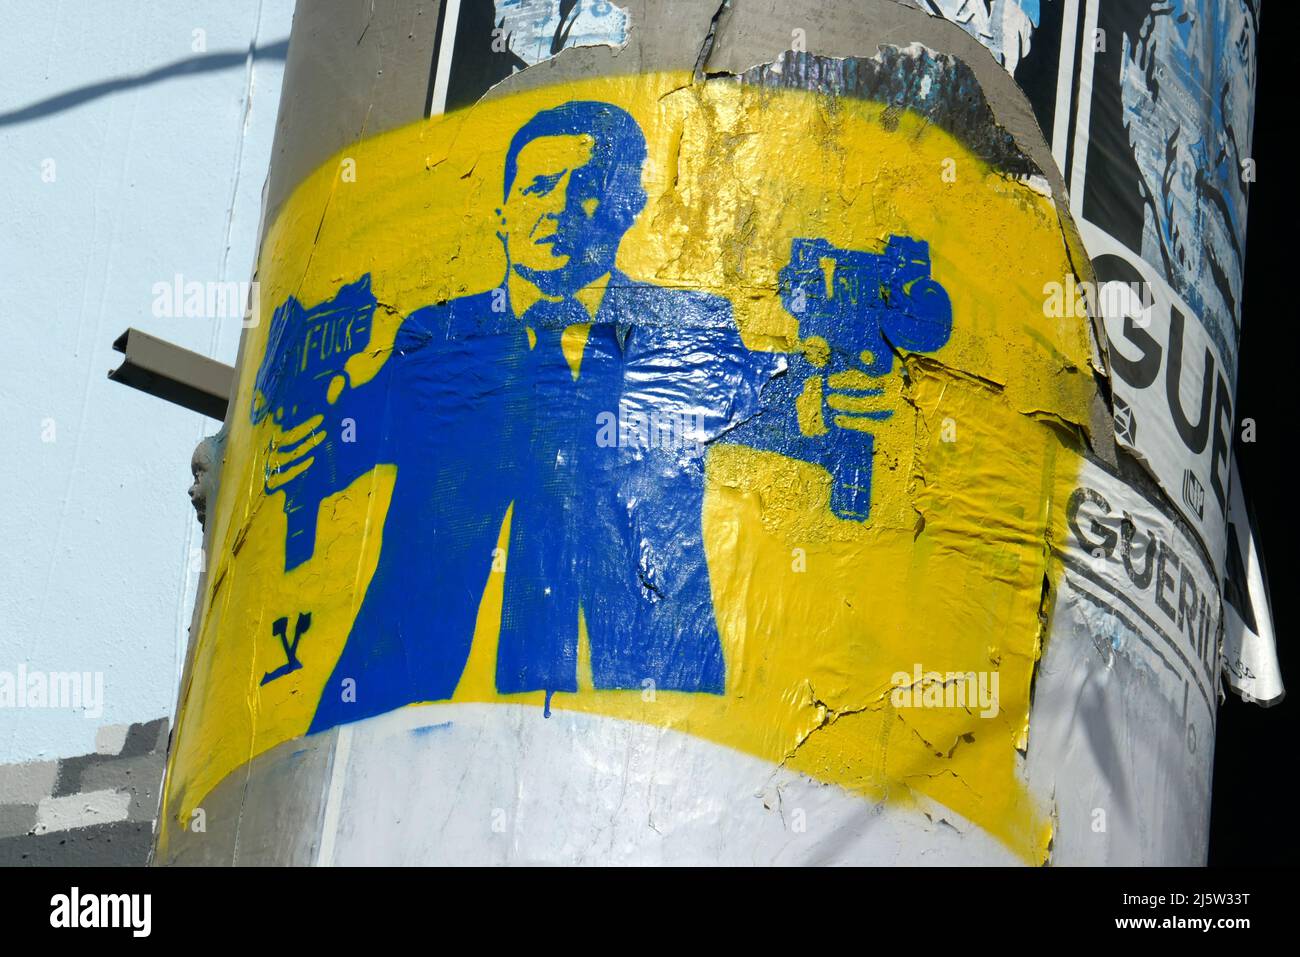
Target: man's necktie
[(538, 644)]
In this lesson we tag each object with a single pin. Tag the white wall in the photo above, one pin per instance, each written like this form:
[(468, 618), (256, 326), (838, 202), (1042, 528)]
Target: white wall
[(126, 157)]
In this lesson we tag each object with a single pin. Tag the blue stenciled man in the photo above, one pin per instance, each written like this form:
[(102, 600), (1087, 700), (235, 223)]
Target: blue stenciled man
[(490, 407)]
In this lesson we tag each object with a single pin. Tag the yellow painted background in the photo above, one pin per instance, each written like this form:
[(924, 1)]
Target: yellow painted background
[(949, 573)]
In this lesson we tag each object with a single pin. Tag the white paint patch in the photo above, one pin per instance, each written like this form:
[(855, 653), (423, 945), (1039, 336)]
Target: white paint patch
[(111, 738), (81, 810), (501, 784), (1038, 183), (334, 796)]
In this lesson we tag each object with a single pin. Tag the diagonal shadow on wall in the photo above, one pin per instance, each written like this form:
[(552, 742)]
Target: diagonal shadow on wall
[(207, 63)]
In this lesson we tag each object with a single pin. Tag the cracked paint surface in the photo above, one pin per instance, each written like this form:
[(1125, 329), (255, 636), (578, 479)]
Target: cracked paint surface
[(815, 613)]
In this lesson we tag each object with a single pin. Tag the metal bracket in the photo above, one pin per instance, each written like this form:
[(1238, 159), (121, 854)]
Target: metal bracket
[(169, 372)]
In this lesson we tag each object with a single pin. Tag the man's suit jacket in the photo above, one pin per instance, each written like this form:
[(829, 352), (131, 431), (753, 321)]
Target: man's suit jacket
[(479, 419)]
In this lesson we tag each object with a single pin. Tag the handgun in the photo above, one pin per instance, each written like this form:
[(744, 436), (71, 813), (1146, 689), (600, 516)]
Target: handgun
[(864, 307), (306, 349)]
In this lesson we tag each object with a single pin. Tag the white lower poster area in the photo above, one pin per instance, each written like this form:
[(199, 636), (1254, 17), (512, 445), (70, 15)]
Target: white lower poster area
[(1121, 733), (592, 789)]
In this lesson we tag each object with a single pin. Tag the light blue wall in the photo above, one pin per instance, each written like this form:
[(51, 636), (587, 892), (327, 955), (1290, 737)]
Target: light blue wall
[(159, 153)]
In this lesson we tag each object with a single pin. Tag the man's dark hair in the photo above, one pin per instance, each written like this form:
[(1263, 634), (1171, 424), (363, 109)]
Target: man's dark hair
[(618, 155)]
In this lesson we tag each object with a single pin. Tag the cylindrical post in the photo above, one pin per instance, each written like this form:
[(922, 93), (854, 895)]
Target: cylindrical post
[(749, 432)]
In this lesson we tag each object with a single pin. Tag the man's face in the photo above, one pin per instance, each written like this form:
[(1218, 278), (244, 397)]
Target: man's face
[(549, 218)]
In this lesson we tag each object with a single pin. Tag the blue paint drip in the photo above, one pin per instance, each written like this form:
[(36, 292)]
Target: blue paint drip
[(430, 728)]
